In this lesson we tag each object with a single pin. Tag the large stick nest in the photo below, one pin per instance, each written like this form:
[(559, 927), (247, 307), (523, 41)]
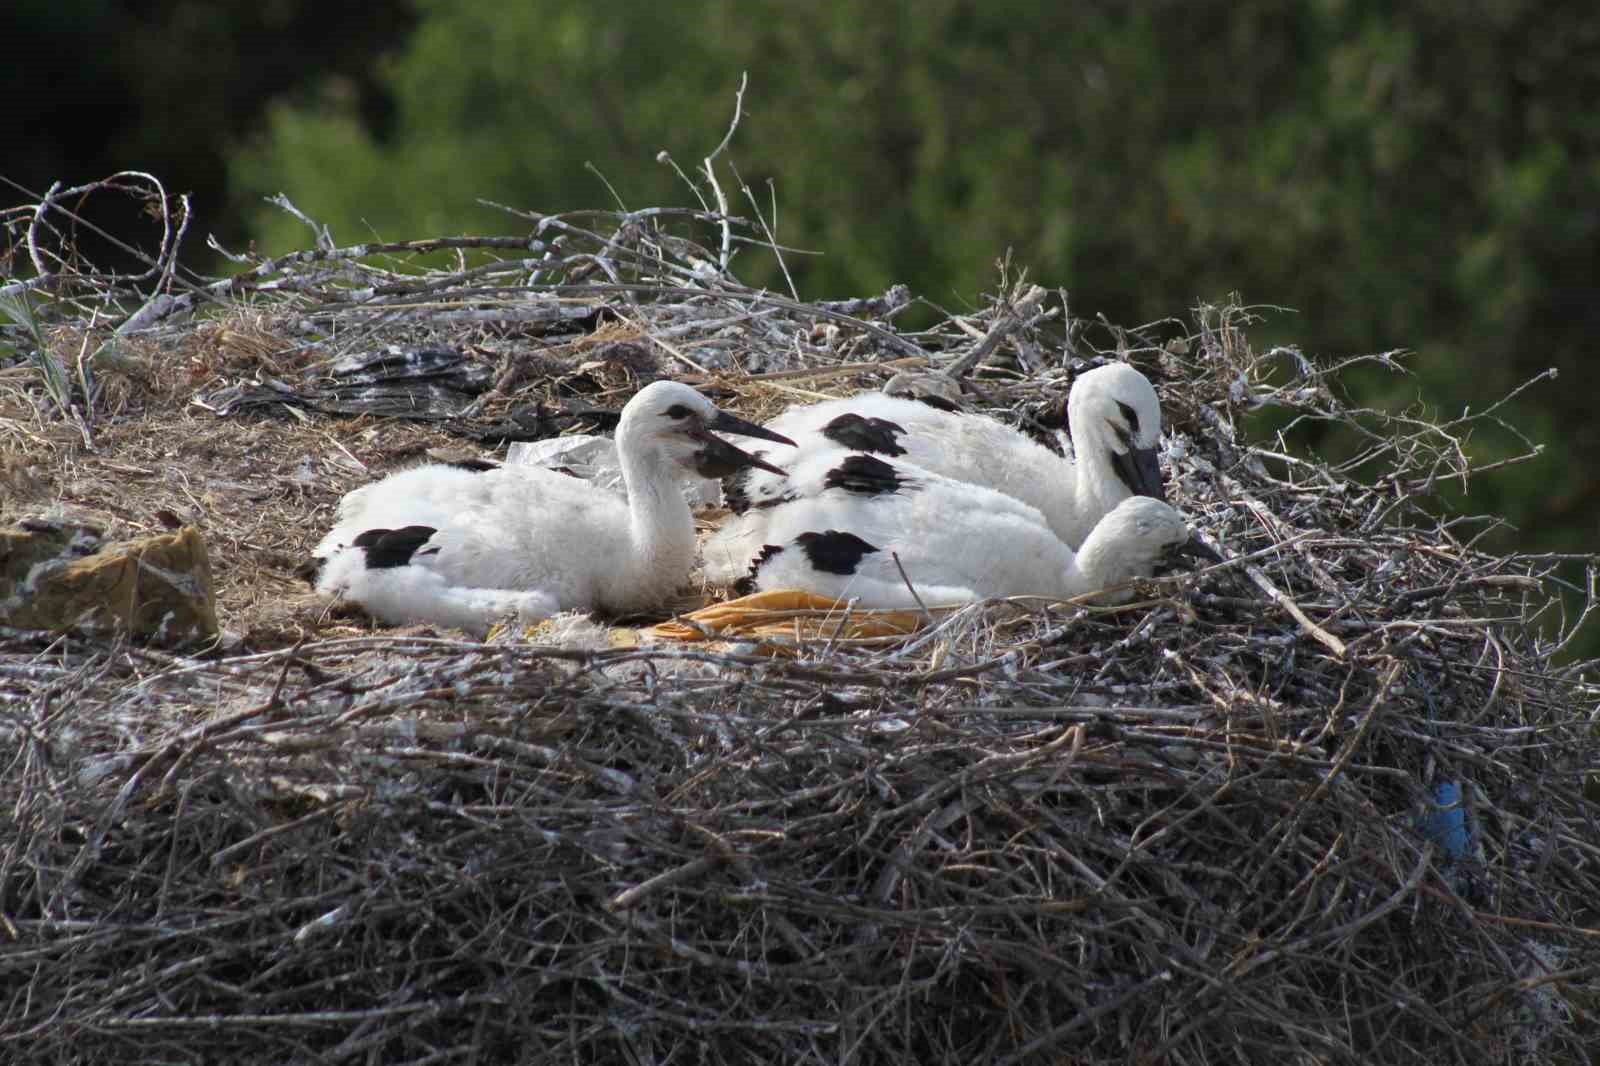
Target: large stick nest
[(1202, 827)]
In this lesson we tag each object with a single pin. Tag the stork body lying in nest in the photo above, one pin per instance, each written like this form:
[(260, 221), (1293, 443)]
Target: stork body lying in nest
[(466, 547), (1113, 416), (857, 526)]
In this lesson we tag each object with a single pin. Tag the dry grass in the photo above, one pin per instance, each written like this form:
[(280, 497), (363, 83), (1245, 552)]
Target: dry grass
[(1186, 829)]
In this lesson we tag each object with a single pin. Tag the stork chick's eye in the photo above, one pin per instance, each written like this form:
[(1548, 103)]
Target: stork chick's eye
[(1131, 415), (678, 411)]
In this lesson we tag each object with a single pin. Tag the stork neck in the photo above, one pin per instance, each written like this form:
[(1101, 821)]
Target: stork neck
[(1096, 488), (660, 527)]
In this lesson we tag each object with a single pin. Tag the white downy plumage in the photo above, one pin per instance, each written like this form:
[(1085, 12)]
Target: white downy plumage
[(465, 548), (855, 514), (1113, 416)]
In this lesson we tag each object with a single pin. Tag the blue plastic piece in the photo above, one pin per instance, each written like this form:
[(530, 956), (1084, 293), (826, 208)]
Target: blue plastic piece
[(1448, 828)]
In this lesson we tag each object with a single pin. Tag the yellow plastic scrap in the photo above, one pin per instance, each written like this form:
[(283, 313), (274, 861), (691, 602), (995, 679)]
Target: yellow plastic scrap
[(787, 614)]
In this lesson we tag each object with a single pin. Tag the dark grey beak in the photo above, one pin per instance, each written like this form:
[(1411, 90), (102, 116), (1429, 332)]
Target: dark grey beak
[(1193, 551), (1138, 469), (726, 423), (716, 459)]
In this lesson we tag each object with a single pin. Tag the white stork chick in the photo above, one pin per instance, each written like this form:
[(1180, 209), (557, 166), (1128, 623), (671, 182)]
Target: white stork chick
[(1113, 416), (855, 514), (467, 547)]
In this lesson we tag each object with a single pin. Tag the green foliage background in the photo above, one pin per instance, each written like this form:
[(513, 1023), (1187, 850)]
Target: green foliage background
[(1422, 176)]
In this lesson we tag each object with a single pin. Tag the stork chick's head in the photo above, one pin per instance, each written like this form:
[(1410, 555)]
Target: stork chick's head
[(1116, 406), (676, 422), (1141, 534)]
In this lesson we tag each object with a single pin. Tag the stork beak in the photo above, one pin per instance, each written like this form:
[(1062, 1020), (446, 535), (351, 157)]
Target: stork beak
[(1138, 469), (1194, 550), (726, 423), (716, 459)]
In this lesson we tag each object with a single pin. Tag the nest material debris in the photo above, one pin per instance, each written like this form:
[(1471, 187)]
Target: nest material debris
[(1189, 829), (59, 576)]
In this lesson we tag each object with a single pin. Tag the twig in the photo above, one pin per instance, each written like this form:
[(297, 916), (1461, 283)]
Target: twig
[(709, 170)]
